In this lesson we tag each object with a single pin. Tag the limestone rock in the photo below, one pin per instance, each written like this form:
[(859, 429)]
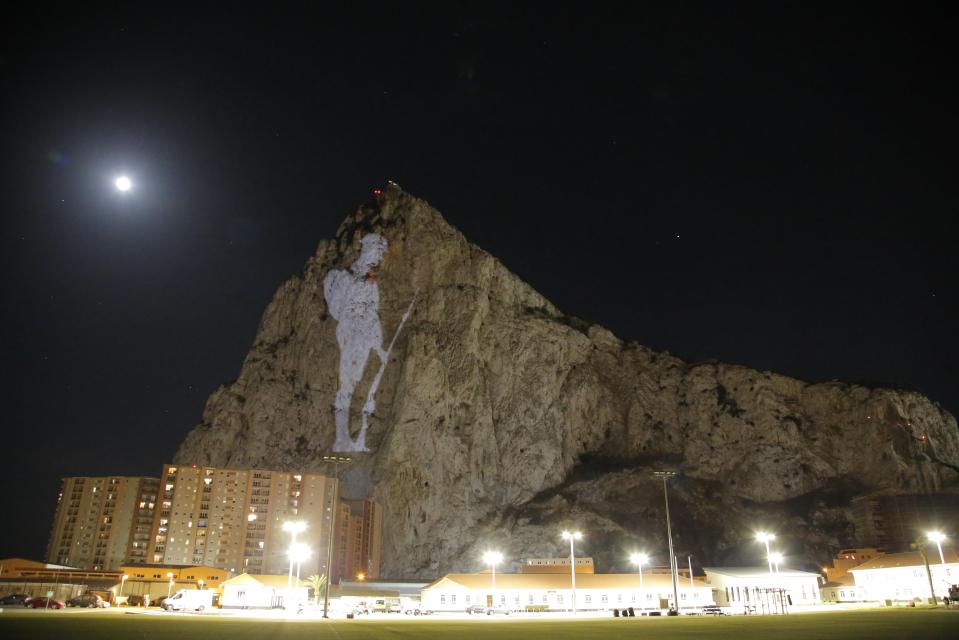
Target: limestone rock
[(499, 420)]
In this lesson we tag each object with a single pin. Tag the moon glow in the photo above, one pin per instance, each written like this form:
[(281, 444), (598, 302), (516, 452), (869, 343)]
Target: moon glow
[(123, 183)]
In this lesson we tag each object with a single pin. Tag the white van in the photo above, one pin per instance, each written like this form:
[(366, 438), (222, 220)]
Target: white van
[(189, 600)]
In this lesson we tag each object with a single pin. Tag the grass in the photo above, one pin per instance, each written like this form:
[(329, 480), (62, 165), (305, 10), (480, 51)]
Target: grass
[(897, 624)]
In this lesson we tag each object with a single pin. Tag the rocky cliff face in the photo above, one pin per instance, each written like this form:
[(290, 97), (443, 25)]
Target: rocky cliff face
[(498, 420)]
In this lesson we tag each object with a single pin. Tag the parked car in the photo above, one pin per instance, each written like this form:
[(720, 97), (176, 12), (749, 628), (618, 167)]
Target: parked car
[(14, 598), (417, 611), (90, 600), (43, 603), (475, 608)]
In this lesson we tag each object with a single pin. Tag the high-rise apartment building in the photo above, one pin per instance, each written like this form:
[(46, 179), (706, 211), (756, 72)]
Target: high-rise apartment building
[(233, 519), (100, 523), (356, 547), (894, 522), (363, 550)]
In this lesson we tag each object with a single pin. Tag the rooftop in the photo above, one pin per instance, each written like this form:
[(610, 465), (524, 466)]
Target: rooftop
[(907, 559), (476, 581), (757, 572)]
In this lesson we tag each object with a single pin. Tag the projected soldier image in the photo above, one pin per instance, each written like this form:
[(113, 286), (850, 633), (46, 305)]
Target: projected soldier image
[(353, 299)]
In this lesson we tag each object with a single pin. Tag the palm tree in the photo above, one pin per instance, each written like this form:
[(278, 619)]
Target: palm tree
[(316, 583)]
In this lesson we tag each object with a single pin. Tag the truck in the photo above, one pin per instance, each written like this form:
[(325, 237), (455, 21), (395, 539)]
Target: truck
[(189, 600)]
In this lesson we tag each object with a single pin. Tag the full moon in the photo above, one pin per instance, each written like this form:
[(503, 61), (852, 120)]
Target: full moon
[(123, 183)]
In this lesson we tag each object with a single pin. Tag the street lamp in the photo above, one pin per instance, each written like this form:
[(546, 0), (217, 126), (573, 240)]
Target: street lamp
[(169, 587), (201, 583), (762, 536), (572, 536), (493, 558), (673, 569), (336, 461), (293, 528), (776, 558), (938, 537), (639, 559)]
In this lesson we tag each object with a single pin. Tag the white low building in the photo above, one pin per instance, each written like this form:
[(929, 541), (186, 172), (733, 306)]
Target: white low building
[(553, 592), (902, 577), (838, 593), (756, 589), (248, 591)]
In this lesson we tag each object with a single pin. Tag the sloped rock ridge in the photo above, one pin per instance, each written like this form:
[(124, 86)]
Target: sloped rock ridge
[(498, 420)]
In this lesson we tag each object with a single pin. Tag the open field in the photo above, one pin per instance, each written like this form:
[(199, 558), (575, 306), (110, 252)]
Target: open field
[(895, 624)]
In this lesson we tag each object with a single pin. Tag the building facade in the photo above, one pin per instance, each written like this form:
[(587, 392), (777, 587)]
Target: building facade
[(19, 575), (157, 580), (847, 559), (903, 577), (100, 522), (361, 550), (233, 519), (556, 565), (553, 592), (248, 591), (755, 588)]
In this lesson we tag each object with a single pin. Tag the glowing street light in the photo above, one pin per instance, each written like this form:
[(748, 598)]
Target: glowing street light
[(762, 536), (292, 527), (572, 536), (169, 587), (938, 537), (639, 559), (201, 583), (776, 559), (493, 558), (123, 183)]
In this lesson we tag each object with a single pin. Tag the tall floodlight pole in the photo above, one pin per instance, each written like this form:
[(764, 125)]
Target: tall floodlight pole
[(492, 558), (776, 558), (938, 537), (299, 553), (762, 536), (639, 559), (572, 536), (292, 528), (666, 475), (336, 461)]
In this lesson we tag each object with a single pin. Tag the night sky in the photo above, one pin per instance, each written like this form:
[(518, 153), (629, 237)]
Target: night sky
[(769, 185)]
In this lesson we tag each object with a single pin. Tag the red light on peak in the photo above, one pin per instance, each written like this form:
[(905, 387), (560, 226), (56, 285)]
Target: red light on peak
[(377, 192), (194, 466)]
